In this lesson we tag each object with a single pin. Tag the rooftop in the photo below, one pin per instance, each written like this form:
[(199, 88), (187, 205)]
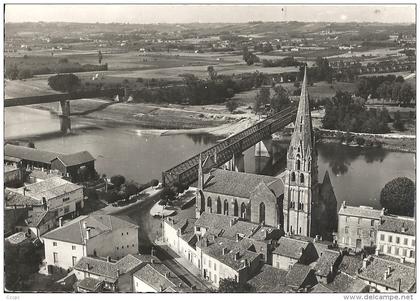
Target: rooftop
[(75, 158), (50, 188), (351, 264), (29, 154), (17, 238), (13, 198), (343, 283), (90, 284), (37, 217), (240, 184), (291, 247), (160, 277), (398, 224), (225, 250), (98, 224), (297, 275), (269, 280), (377, 267), (323, 266), (361, 211)]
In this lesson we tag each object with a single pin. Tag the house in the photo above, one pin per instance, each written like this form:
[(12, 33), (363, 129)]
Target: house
[(155, 277), (327, 265), (292, 250), (101, 275), (342, 283), (388, 276), (350, 265), (253, 198), (37, 222), (396, 237), (53, 194), (93, 235), (77, 166), (225, 258), (18, 239), (357, 226), (269, 280), (301, 277)]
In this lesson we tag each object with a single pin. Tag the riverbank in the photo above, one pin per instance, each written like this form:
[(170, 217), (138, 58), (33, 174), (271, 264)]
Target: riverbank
[(160, 120)]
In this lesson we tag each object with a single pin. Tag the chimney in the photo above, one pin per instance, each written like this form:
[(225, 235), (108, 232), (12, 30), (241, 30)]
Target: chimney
[(344, 204), (237, 237), (24, 190), (153, 252), (388, 270), (224, 251), (331, 269), (152, 261), (236, 256), (118, 273), (402, 259), (87, 233), (403, 229), (377, 252), (385, 275), (245, 263), (108, 258), (88, 266), (60, 221), (232, 222), (399, 285), (84, 225), (167, 275)]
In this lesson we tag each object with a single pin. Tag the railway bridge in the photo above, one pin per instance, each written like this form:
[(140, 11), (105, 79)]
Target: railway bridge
[(230, 151)]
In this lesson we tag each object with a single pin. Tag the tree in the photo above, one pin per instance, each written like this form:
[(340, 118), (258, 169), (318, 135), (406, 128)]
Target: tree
[(117, 180), (229, 285), (280, 99), (24, 73), (261, 99), (398, 196), (398, 123), (64, 82), (154, 182), (212, 72), (232, 105), (12, 72), (100, 57)]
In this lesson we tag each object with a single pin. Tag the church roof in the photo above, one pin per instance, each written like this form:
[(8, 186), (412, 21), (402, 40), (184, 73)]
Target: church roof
[(240, 184), (302, 134)]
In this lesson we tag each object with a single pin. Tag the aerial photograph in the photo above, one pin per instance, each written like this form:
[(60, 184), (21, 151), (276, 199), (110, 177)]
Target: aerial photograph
[(209, 148)]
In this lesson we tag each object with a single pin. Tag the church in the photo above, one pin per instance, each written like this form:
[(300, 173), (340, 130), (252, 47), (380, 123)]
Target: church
[(294, 201)]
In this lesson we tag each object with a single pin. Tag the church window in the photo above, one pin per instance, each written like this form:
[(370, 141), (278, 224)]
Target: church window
[(202, 202), (372, 223), (226, 207), (235, 208), (209, 202), (300, 230), (298, 164), (301, 206), (292, 205), (291, 229), (262, 212), (293, 177), (346, 230), (243, 210), (219, 206), (302, 178), (309, 165)]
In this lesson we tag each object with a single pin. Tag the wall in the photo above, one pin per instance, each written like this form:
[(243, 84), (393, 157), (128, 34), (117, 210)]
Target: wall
[(13, 178), (282, 262), (231, 201), (397, 249), (367, 232), (114, 244), (59, 204), (141, 287), (262, 194), (65, 253)]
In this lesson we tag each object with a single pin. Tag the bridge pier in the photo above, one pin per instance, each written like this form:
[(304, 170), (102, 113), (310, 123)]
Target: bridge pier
[(264, 148), (64, 116), (237, 163)]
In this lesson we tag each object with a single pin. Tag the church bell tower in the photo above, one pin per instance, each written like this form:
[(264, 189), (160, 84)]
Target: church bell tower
[(301, 175)]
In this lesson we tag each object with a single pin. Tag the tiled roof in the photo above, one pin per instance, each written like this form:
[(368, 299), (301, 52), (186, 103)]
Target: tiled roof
[(362, 211), (351, 264), (297, 275), (76, 158), (90, 284), (160, 277), (323, 266), (377, 267), (74, 232), (29, 154), (221, 225), (43, 175), (398, 224), (269, 280), (13, 198), (321, 288), (239, 184), (215, 248), (9, 168), (343, 283), (37, 217), (50, 188), (291, 247), (17, 238), (108, 269)]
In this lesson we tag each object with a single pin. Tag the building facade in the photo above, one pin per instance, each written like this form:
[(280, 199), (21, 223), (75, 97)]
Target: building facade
[(357, 226)]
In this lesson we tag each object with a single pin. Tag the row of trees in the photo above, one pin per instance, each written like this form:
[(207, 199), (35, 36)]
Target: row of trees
[(346, 113), (385, 87), (285, 62)]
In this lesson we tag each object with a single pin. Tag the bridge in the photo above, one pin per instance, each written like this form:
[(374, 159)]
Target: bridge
[(64, 100), (230, 151)]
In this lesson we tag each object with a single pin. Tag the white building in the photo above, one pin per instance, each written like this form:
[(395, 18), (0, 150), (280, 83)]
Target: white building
[(396, 237), (93, 235)]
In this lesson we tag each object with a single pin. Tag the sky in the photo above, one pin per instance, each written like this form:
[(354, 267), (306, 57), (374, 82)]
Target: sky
[(144, 14)]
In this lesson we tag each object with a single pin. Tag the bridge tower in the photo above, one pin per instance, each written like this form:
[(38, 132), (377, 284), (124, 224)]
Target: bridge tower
[(64, 115), (301, 176)]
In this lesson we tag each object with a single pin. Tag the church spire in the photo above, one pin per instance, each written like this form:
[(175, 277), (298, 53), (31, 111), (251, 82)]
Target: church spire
[(302, 135)]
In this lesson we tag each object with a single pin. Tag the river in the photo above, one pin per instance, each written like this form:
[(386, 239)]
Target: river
[(357, 175)]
